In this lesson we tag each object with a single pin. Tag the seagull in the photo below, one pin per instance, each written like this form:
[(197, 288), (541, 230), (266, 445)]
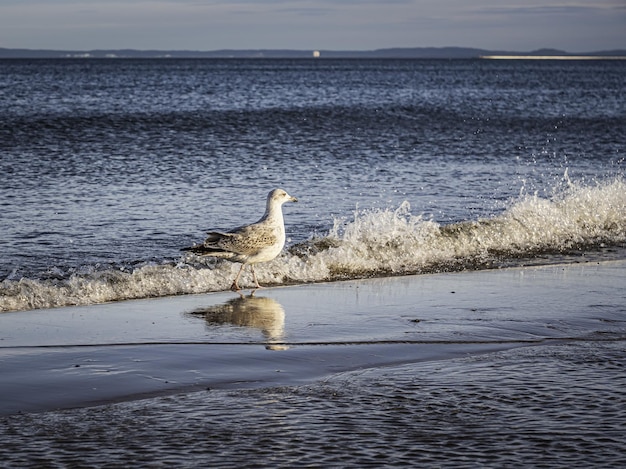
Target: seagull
[(250, 244)]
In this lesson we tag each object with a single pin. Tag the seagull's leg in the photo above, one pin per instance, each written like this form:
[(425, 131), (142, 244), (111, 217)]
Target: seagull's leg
[(235, 285), (254, 276)]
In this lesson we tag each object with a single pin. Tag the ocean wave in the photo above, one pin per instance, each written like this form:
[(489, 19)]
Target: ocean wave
[(577, 218)]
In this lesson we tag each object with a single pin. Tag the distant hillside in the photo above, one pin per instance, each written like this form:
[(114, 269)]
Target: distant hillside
[(399, 52)]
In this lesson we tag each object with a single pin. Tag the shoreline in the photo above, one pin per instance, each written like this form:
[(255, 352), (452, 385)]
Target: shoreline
[(81, 356), (111, 374), (553, 57)]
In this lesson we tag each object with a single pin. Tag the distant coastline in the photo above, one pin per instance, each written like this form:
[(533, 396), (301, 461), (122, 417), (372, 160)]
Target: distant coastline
[(554, 57), (392, 53)]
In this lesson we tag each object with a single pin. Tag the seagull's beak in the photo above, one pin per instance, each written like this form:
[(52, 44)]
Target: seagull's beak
[(293, 199)]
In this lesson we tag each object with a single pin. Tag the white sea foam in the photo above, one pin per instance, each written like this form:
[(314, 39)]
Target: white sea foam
[(374, 242)]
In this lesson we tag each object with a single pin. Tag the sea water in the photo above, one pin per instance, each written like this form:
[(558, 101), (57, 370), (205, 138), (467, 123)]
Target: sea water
[(520, 367), (109, 167)]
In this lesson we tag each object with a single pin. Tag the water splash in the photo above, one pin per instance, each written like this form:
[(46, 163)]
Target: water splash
[(576, 218)]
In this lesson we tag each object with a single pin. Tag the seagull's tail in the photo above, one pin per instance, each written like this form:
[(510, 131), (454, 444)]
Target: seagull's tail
[(201, 249), (204, 250)]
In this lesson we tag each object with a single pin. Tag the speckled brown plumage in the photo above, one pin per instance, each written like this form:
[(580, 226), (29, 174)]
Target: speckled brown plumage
[(250, 244)]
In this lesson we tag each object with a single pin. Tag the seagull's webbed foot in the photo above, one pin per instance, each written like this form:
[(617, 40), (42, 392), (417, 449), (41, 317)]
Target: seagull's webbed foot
[(235, 287)]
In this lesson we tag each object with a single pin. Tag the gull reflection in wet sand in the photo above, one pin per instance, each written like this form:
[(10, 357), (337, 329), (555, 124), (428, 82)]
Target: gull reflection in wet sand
[(265, 314)]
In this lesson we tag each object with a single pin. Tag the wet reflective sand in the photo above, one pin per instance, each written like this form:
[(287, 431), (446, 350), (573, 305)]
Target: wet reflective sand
[(515, 368)]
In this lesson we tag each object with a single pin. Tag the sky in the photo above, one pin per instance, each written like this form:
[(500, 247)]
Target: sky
[(515, 25)]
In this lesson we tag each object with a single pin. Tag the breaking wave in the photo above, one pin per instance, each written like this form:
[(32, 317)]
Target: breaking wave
[(533, 229)]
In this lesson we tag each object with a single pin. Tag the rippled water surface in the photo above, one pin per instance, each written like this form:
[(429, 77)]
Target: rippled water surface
[(109, 167), (543, 406), (520, 367)]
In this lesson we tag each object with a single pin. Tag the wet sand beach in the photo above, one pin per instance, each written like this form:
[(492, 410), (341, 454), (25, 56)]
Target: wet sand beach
[(517, 367)]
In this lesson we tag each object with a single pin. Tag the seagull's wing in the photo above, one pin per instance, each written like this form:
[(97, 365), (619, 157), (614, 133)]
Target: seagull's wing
[(247, 240), (213, 237), (238, 244), (212, 245)]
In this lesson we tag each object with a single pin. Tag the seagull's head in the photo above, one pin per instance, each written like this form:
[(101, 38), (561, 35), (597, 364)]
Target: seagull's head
[(280, 196)]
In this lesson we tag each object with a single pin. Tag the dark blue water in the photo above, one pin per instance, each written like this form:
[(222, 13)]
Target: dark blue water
[(109, 167)]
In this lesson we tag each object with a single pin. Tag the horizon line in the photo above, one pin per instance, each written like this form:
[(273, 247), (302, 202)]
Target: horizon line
[(421, 52)]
